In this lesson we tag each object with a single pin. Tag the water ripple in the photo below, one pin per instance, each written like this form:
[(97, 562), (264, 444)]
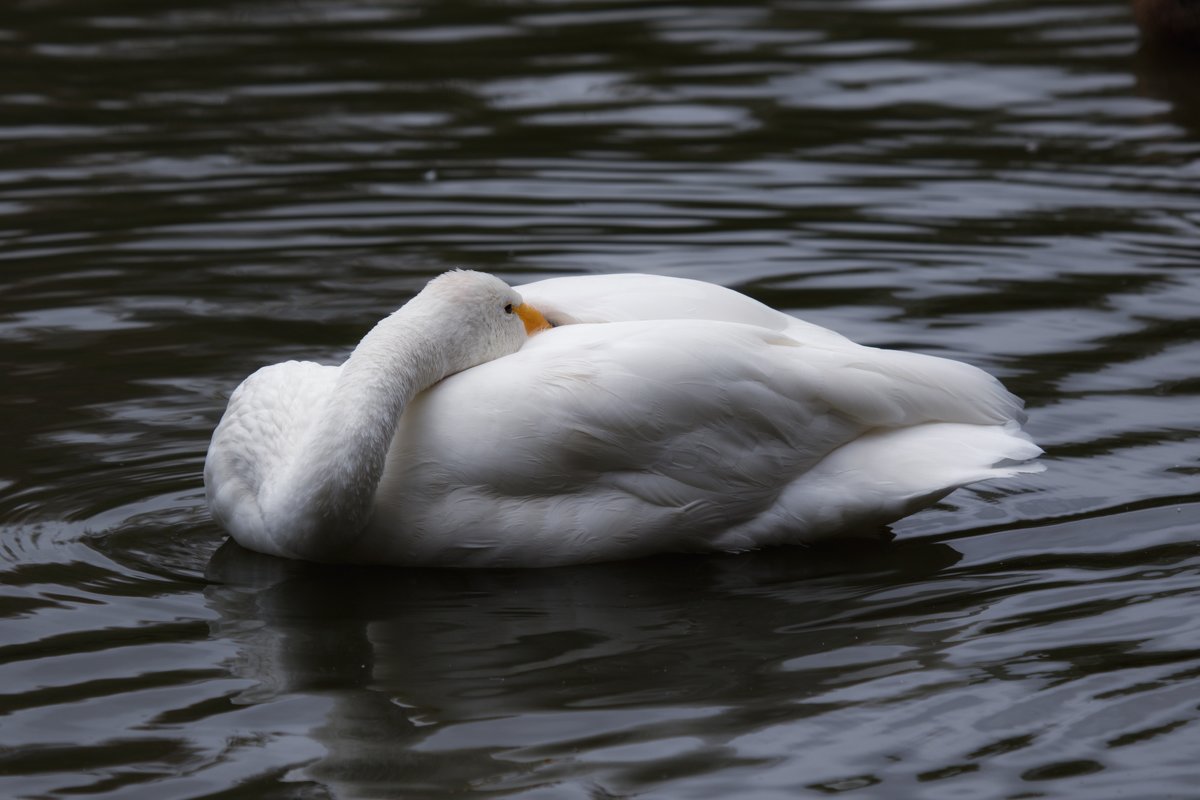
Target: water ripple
[(187, 194)]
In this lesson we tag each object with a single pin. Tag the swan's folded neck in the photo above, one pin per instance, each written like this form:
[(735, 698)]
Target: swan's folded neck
[(322, 496)]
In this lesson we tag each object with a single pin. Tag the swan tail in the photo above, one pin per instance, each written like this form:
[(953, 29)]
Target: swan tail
[(886, 475), (893, 473)]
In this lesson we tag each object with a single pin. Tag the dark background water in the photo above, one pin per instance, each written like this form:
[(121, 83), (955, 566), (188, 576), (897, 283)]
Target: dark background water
[(191, 190)]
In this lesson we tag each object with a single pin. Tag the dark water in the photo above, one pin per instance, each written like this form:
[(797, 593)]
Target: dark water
[(191, 190)]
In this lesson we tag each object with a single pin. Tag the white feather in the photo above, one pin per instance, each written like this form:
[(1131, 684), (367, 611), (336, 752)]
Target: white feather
[(665, 415)]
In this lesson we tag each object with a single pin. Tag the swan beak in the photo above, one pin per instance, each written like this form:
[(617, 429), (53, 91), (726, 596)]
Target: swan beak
[(533, 319)]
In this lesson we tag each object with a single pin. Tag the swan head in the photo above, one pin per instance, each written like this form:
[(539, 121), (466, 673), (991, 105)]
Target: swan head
[(479, 316)]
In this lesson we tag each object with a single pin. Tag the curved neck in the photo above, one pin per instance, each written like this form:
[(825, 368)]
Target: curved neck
[(327, 491)]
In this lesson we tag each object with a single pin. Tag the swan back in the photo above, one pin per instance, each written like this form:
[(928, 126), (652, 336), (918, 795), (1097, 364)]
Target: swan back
[(635, 296)]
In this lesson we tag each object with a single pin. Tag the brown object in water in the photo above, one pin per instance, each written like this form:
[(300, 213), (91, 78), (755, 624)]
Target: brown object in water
[(1169, 22)]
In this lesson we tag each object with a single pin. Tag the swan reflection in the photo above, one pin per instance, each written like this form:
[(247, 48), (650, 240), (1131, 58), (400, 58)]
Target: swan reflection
[(508, 678)]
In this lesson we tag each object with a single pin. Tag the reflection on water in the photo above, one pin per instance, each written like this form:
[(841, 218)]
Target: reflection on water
[(188, 193), (500, 678), (799, 668)]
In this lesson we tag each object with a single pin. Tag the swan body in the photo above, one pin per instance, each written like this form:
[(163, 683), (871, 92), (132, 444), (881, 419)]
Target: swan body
[(660, 414)]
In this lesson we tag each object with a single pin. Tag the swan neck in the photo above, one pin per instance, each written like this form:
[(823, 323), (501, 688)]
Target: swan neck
[(331, 490)]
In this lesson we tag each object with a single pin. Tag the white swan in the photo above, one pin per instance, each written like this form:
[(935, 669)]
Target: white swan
[(660, 414)]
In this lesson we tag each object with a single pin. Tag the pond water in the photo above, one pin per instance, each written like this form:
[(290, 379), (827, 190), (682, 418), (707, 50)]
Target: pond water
[(191, 190)]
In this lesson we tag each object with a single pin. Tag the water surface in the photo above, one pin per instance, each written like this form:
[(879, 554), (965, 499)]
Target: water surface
[(188, 193)]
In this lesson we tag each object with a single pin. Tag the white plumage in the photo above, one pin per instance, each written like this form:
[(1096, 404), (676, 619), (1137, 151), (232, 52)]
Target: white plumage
[(660, 415)]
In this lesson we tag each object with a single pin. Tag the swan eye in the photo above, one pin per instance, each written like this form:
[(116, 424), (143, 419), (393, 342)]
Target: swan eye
[(508, 309)]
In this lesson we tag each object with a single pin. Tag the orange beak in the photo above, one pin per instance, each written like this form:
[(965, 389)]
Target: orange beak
[(533, 319)]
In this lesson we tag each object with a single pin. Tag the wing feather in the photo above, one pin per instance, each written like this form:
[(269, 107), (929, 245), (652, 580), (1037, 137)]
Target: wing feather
[(660, 432)]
